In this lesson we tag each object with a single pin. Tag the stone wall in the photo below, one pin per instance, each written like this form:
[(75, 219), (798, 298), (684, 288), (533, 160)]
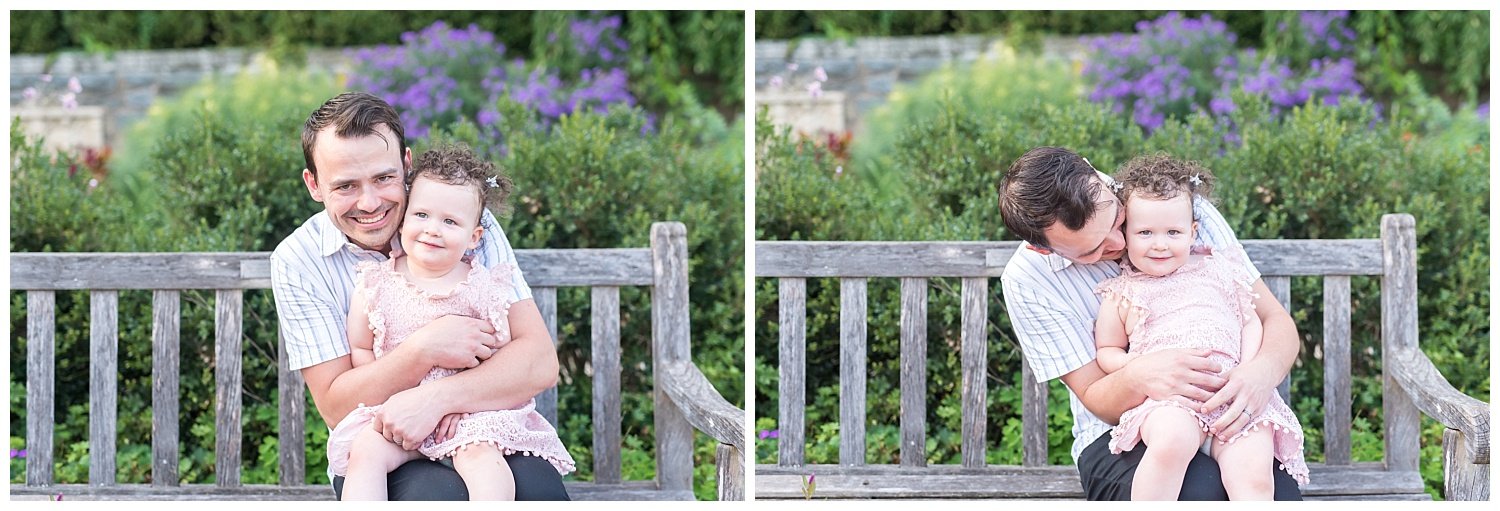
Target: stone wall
[(126, 83), (867, 69)]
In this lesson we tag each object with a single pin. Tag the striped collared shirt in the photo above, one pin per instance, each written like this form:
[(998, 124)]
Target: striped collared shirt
[(312, 278), (1052, 306)]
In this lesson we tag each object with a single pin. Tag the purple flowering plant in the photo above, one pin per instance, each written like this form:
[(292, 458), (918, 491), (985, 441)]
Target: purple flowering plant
[(1176, 66), (441, 74)]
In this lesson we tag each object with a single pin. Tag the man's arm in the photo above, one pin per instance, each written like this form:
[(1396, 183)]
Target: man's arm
[(1182, 375), (520, 370)]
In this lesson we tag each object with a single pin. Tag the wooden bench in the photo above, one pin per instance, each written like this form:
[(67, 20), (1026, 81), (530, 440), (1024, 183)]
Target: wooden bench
[(684, 399), (1411, 385)]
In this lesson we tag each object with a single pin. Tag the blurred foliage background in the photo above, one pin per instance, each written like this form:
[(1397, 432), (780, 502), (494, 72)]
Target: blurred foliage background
[(1404, 136), (218, 170)]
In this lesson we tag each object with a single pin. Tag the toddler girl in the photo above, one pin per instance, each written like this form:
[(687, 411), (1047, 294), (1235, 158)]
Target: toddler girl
[(1171, 294), (448, 190)]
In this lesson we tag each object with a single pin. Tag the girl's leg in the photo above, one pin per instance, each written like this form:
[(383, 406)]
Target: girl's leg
[(371, 457), (1172, 436), (1243, 465), (485, 472)]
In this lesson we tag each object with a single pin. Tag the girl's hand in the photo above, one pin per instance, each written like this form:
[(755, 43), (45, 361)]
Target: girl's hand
[(447, 428)]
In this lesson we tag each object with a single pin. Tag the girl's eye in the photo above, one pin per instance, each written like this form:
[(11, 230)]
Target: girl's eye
[(450, 222), (419, 215), (1174, 232)]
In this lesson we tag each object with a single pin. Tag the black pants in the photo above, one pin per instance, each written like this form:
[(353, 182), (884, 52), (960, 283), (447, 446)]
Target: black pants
[(1108, 476), (424, 479)]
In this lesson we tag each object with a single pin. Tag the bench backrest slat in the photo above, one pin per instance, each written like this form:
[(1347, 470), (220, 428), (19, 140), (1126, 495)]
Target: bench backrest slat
[(228, 306), (40, 366), (104, 347), (293, 416), (546, 303), (913, 371), (605, 358), (1033, 417), (1337, 404), (1398, 314), (792, 362), (853, 361), (166, 346), (972, 351), (988, 258), (670, 333)]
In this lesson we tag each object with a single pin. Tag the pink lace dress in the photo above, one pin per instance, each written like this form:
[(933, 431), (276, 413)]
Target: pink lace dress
[(399, 308), (1202, 305)]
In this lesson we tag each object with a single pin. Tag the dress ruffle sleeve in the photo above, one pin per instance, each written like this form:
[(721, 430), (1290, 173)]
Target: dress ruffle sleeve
[(1234, 266), (501, 296), (1126, 288), (367, 278)]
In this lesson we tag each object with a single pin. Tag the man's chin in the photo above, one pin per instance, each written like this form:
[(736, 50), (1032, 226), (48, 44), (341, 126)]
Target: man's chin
[(1112, 256)]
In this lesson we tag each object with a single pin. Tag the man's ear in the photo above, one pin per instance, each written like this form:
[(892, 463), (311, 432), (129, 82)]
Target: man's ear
[(311, 180), (1039, 250)]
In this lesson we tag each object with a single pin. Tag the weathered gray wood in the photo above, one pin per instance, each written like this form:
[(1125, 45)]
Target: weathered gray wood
[(166, 317), (228, 382), (1055, 481), (546, 304), (579, 491), (1431, 393), (792, 369), (1338, 406), (293, 414), (1463, 478), (731, 473), (670, 344), (252, 270), (1398, 312), (701, 404), (975, 311), (1033, 418), (913, 371), (605, 330), (195, 270), (852, 362), (987, 259), (1281, 288), (41, 330), (104, 375), (577, 267)]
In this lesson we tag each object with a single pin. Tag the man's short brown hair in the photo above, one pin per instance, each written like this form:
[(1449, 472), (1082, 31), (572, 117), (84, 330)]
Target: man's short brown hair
[(1047, 185), (353, 115)]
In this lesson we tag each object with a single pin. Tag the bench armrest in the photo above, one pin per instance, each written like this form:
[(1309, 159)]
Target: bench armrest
[(1437, 398), (702, 405)]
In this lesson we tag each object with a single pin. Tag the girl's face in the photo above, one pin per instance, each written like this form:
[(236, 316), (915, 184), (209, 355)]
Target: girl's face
[(1159, 233), (442, 221)]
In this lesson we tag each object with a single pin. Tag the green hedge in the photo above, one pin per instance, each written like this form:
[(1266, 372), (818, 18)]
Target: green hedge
[(221, 174), (1319, 172)]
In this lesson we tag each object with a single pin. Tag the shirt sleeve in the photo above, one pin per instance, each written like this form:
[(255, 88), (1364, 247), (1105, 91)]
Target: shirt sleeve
[(1055, 340), (1214, 231), (495, 249), (312, 324)]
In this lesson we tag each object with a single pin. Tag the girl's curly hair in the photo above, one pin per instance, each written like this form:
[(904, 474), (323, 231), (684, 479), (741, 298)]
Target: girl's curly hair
[(457, 165), (1160, 177)]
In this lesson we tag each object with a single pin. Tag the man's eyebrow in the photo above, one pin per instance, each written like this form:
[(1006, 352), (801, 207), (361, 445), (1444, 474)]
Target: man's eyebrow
[(341, 182)]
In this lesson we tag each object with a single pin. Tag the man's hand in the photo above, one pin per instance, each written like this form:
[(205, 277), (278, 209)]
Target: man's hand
[(454, 342), (1186, 376), (1248, 390), (408, 417)]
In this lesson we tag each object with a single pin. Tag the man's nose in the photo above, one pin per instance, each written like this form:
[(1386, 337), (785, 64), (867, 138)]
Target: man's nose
[(368, 200)]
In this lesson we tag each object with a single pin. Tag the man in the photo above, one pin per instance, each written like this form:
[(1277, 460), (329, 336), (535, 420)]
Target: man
[(1070, 220), (355, 150)]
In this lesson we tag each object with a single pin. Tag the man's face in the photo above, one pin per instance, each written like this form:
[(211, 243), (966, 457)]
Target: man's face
[(1100, 238), (360, 183)]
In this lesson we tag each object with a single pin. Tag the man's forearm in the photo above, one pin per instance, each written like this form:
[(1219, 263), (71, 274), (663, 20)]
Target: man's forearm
[(1104, 395), (370, 384), (518, 372)]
